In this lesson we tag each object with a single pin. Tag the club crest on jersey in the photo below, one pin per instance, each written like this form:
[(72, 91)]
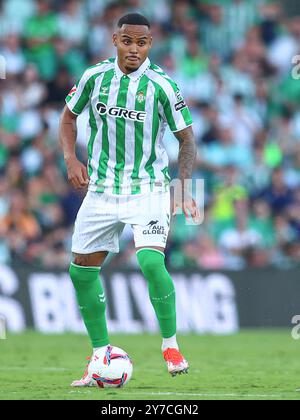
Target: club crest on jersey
[(140, 97), (118, 112)]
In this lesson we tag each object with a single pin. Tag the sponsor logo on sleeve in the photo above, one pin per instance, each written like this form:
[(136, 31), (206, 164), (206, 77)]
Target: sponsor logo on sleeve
[(180, 105)]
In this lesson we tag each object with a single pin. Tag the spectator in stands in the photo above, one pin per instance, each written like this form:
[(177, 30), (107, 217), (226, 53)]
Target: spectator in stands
[(233, 61), (277, 194)]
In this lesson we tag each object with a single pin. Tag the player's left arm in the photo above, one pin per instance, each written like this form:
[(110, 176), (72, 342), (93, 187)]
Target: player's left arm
[(177, 115), (187, 154)]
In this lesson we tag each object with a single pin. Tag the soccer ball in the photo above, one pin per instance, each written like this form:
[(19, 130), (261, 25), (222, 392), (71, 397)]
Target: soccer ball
[(110, 367)]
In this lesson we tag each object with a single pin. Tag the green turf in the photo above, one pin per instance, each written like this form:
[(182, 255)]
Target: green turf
[(249, 365)]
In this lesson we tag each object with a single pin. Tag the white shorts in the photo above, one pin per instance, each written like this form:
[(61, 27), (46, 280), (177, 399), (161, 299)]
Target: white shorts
[(102, 218)]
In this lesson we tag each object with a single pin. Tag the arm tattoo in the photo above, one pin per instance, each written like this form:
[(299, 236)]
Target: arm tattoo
[(67, 134), (187, 153), (72, 124)]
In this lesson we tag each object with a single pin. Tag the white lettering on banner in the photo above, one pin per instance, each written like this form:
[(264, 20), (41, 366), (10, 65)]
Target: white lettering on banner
[(71, 314), (140, 294), (223, 307), (123, 321), (2, 67), (204, 305), (10, 309), (296, 68), (296, 329), (200, 304), (2, 327), (189, 309), (47, 307)]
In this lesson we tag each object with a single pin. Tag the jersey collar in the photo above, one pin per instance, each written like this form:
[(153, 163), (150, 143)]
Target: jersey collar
[(136, 75)]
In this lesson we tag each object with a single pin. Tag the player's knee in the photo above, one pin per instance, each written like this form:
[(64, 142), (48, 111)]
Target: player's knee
[(95, 259), (151, 262), (82, 275), (148, 269), (82, 260)]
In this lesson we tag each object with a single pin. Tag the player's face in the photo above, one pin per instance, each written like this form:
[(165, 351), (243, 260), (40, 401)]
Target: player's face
[(133, 43)]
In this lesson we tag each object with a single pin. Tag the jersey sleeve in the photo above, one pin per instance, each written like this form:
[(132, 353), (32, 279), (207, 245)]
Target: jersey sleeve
[(176, 112), (79, 95)]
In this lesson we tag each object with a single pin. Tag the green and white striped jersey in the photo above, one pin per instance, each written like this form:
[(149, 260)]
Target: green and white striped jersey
[(128, 115)]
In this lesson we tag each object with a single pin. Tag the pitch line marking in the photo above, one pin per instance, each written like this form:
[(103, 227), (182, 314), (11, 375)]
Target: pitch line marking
[(45, 369), (209, 395)]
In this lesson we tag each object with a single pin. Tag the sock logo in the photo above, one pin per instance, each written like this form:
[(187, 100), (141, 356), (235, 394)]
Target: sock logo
[(102, 298)]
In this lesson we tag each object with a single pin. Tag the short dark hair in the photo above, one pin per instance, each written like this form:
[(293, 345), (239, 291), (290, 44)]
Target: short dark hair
[(133, 19)]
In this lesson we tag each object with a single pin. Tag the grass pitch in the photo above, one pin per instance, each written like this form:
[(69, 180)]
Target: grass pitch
[(256, 364)]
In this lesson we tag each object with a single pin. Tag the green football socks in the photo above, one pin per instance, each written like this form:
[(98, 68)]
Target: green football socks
[(92, 304), (161, 289), (91, 301)]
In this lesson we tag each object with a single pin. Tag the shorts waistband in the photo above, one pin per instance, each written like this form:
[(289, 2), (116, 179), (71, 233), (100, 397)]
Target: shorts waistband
[(125, 191)]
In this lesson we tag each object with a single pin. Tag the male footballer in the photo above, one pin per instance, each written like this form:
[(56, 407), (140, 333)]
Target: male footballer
[(130, 102)]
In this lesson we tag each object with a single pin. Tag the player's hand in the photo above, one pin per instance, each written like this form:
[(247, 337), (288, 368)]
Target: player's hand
[(77, 173), (189, 207)]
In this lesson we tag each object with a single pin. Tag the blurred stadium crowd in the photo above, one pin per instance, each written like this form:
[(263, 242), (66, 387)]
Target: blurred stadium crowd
[(233, 62)]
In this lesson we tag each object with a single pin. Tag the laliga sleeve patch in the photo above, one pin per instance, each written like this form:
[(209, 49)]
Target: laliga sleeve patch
[(72, 91), (180, 105)]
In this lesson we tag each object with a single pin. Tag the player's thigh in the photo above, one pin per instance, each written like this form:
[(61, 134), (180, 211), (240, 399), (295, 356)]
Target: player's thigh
[(97, 228), (96, 259)]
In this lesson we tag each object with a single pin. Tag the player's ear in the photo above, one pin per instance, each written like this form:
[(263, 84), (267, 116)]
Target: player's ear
[(114, 39)]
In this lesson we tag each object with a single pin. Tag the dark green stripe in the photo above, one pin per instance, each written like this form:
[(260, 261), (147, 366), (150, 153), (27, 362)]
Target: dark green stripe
[(104, 155), (85, 95), (167, 177), (155, 127), (139, 135), (94, 129), (83, 98), (120, 136), (185, 112), (168, 110)]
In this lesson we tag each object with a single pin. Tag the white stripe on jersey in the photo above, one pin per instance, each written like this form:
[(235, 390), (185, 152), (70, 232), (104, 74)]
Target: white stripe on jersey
[(148, 125), (130, 134), (112, 133), (98, 139)]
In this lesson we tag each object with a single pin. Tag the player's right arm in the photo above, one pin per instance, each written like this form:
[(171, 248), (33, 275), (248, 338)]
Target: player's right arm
[(76, 101), (77, 172)]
